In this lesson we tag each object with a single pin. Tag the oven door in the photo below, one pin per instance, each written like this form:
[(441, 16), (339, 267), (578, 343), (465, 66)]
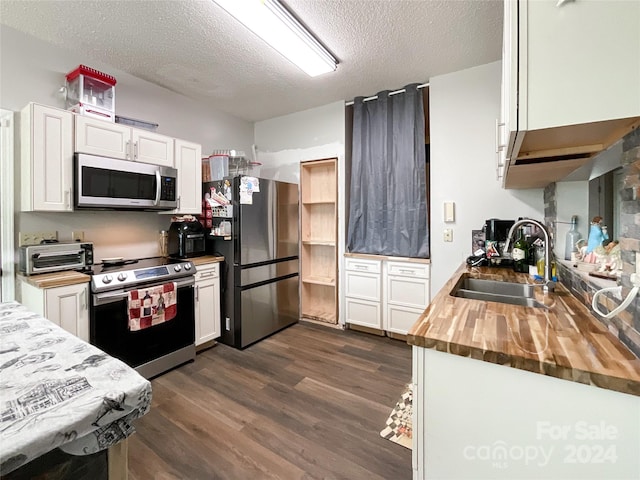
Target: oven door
[(109, 328)]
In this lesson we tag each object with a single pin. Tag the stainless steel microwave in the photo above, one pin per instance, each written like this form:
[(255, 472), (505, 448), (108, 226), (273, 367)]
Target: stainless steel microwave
[(111, 183)]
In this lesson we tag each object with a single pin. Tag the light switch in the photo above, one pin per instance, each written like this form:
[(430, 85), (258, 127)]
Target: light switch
[(448, 235), (449, 212)]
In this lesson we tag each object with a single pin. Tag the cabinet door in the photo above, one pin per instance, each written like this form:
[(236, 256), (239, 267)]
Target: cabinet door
[(47, 159), (67, 307), (188, 158), (365, 286), (408, 292), (98, 137), (207, 305), (149, 147), (400, 319), (363, 312)]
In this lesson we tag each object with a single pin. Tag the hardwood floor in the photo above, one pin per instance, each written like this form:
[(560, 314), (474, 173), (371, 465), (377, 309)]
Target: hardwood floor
[(308, 402)]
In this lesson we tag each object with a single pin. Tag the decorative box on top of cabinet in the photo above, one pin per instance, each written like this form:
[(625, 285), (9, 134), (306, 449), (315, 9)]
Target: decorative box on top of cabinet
[(556, 105), (385, 294), (46, 159), (66, 306), (108, 139), (207, 302)]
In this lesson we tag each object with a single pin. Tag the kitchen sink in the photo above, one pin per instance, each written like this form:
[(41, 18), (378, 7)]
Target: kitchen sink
[(494, 291)]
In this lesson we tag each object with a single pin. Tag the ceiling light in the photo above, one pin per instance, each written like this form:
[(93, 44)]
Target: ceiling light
[(275, 25)]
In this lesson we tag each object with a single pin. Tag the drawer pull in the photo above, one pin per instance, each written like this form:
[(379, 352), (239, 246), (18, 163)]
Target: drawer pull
[(207, 274), (408, 272), (362, 267)]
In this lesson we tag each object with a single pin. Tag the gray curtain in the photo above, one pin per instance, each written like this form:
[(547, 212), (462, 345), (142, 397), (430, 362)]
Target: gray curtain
[(388, 204)]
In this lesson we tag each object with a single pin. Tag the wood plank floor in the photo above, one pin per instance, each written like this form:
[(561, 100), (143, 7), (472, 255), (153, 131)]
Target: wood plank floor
[(308, 402)]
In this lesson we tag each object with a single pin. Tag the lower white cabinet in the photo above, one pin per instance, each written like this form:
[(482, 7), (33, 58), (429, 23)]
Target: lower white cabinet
[(66, 306), (385, 294), (207, 302)]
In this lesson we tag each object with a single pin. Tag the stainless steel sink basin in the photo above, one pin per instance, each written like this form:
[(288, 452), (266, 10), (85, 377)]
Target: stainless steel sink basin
[(493, 291)]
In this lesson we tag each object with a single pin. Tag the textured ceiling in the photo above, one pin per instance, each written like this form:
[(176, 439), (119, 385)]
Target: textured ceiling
[(195, 48)]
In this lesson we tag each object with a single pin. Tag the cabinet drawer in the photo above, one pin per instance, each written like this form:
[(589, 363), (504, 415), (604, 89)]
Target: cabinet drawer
[(411, 292), (420, 270), (362, 312), (365, 286), (208, 270), (359, 265), (401, 319)]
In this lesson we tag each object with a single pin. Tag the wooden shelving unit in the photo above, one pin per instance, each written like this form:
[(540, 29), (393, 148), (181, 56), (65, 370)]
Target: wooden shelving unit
[(318, 231)]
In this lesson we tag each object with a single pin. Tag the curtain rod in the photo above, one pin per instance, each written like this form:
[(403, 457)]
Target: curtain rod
[(375, 97)]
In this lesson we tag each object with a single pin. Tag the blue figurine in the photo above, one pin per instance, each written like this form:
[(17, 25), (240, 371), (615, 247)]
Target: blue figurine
[(597, 236)]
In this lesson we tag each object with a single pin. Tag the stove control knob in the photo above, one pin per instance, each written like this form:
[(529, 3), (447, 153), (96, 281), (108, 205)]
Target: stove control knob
[(122, 277), (177, 268), (106, 279), (187, 266)]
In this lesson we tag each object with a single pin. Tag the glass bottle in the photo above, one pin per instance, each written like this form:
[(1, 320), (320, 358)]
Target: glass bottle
[(519, 254), (571, 239)]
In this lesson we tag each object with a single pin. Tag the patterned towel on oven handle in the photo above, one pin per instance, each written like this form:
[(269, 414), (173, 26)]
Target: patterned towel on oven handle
[(152, 306)]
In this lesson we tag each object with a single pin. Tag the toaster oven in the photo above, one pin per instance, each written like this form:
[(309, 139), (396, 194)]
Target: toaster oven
[(54, 257)]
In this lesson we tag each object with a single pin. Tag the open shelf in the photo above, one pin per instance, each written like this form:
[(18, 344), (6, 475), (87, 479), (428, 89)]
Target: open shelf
[(328, 281), (318, 231)]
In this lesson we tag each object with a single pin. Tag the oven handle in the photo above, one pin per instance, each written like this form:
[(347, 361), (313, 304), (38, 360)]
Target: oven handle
[(57, 254), (111, 297)]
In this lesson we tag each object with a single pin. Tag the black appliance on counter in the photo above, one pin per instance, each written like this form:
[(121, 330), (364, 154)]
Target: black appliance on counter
[(186, 239), (152, 350), (495, 232), (260, 281)]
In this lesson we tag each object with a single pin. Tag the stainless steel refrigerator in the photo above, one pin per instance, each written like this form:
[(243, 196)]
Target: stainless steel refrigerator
[(260, 279)]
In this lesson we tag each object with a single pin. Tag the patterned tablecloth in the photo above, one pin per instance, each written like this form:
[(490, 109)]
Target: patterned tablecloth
[(58, 391)]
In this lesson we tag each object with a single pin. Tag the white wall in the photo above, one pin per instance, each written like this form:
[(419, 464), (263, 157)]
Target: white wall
[(463, 107), (283, 142), (32, 70), (572, 198)]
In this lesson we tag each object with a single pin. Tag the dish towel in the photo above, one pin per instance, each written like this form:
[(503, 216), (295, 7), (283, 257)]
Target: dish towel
[(152, 306)]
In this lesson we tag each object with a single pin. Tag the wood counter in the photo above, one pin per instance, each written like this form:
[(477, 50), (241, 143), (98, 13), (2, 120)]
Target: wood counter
[(206, 259), (563, 340), (56, 279)]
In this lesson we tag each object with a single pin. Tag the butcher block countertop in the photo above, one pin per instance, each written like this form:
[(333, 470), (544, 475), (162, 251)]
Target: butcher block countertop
[(56, 279), (206, 259), (563, 340)]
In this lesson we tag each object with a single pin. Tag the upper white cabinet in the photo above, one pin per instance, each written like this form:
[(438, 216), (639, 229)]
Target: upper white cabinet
[(570, 84), (188, 158), (46, 158), (98, 137)]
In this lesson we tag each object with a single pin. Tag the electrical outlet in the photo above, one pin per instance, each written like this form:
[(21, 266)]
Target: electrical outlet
[(77, 236), (448, 235), (34, 238)]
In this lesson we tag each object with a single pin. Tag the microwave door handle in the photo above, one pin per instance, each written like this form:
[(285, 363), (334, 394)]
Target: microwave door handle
[(158, 181)]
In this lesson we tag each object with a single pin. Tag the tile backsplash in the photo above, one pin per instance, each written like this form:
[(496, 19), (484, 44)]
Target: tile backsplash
[(625, 325)]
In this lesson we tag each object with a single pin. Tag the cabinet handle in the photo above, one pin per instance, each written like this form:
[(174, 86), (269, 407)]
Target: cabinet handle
[(499, 146), (361, 267), (206, 274), (197, 293), (67, 198), (135, 150), (83, 301), (128, 149), (409, 272)]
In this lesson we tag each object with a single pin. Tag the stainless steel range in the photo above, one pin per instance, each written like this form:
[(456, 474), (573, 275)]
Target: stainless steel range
[(156, 348)]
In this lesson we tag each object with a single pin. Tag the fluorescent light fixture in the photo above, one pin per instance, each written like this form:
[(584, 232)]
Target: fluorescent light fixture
[(275, 25)]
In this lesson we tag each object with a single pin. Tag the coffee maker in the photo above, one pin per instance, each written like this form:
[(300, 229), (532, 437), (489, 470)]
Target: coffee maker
[(496, 232)]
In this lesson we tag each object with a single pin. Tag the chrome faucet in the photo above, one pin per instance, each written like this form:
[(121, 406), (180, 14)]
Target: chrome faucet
[(548, 284)]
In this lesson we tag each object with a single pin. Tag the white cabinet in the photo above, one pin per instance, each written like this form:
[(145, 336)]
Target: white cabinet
[(207, 302), (46, 159), (568, 93), (363, 284), (188, 158), (108, 139), (385, 294), (407, 294), (65, 306)]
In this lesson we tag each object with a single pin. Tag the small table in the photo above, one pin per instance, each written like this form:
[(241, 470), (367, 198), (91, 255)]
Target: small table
[(57, 391)]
